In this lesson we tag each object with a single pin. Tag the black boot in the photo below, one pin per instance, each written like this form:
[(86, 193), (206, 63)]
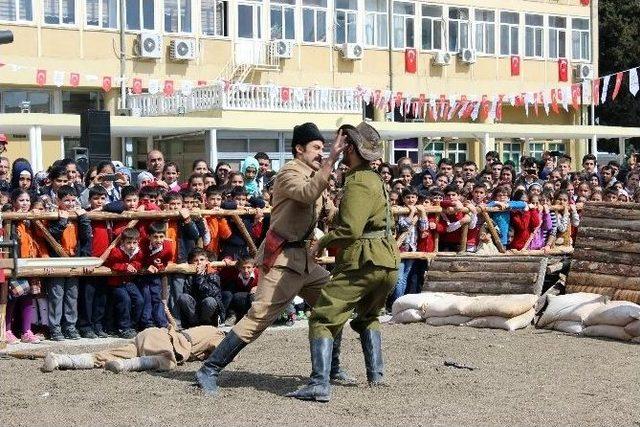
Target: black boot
[(371, 341), (318, 388), (207, 375), (337, 373)]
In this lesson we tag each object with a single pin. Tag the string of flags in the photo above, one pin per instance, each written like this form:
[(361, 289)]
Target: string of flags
[(432, 106)]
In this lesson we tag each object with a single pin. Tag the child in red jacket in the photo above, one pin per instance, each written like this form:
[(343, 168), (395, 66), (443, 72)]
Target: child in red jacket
[(450, 225), (523, 223), (159, 252), (126, 258), (239, 285)]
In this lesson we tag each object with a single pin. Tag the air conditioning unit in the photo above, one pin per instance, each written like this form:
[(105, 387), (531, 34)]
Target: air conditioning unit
[(352, 51), (149, 45), (468, 56), (282, 48), (182, 49), (584, 72), (442, 58)]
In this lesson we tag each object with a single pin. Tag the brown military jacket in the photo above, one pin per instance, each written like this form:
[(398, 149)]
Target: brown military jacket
[(296, 205)]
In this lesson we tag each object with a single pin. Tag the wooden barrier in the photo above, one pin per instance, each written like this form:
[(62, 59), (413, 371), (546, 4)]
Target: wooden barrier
[(607, 255)]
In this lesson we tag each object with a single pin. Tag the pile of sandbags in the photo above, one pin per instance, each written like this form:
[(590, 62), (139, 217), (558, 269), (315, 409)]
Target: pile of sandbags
[(592, 315), (509, 312)]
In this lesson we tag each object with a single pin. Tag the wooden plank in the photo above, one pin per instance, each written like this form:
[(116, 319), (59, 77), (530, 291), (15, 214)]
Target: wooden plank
[(608, 245), (608, 234), (499, 266), (603, 256), (615, 294), (605, 267), (612, 212), (57, 248), (445, 276), (492, 288), (537, 289), (620, 205), (603, 280), (616, 224)]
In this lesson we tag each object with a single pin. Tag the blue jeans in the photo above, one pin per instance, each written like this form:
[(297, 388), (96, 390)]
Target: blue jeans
[(129, 305), (153, 309), (404, 274)]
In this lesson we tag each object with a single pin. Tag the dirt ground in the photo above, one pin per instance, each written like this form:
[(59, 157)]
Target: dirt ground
[(525, 378)]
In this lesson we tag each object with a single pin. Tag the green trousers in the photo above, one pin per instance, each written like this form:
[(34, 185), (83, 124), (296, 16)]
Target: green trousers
[(364, 290)]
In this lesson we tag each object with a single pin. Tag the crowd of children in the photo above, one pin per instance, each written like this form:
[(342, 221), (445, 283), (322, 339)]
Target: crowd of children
[(121, 304)]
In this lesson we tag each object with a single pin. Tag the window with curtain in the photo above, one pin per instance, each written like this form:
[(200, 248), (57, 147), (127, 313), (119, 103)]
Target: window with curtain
[(139, 14), (557, 37), (213, 17), (16, 10), (102, 13), (314, 21), (458, 28), (485, 31), (534, 36), (346, 21), (283, 19), (432, 26), (375, 23), (509, 33), (403, 22), (177, 16), (57, 12), (580, 39)]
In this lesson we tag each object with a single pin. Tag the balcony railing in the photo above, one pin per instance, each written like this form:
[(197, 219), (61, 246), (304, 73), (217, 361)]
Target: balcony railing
[(247, 97)]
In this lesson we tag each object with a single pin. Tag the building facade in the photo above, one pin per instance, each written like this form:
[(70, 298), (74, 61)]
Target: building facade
[(236, 60)]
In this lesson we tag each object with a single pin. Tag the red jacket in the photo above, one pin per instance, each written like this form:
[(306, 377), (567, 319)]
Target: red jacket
[(231, 281), (118, 260), (427, 238), (159, 257), (102, 237), (523, 223)]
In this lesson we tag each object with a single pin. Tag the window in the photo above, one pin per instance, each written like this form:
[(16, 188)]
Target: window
[(511, 151), (139, 14), (509, 29), (557, 37), (250, 20), (346, 21), (485, 29), (458, 28), (432, 26), (557, 146), (314, 21), (77, 102), (406, 148), (13, 101), (102, 13), (536, 149), (213, 16), (403, 19), (282, 19), (177, 16), (436, 149), (533, 36), (580, 39), (16, 10), (457, 152), (375, 23), (59, 11)]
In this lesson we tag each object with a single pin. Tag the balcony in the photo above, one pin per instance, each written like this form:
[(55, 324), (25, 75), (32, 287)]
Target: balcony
[(246, 97)]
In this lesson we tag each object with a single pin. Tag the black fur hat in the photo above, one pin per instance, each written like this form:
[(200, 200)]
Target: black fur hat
[(305, 133)]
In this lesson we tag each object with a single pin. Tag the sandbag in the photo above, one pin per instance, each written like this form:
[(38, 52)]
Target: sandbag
[(607, 331), (572, 307), (410, 315), (447, 320), (496, 322), (566, 326), (409, 301), (499, 305), (440, 304), (616, 313), (633, 328)]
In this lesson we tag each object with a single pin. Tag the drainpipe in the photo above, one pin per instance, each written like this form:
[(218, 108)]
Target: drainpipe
[(123, 58), (390, 50)]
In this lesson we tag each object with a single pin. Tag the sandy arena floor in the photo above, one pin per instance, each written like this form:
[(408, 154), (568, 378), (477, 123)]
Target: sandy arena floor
[(526, 378)]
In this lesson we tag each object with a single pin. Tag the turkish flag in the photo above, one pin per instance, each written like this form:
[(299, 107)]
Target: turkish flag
[(616, 88), (499, 109), (202, 82), (563, 70), (575, 96), (137, 86), (41, 77), (106, 83), (554, 101), (285, 94), (584, 2), (168, 87), (410, 60), (515, 65), (74, 79), (595, 92), (484, 107)]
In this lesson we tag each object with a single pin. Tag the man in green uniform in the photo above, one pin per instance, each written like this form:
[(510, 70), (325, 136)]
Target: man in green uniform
[(365, 270)]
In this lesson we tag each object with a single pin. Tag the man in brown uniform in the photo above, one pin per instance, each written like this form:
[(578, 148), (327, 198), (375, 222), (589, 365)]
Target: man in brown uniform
[(286, 267), (159, 349)]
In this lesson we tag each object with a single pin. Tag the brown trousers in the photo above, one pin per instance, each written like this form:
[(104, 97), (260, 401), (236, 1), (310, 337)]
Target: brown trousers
[(276, 289)]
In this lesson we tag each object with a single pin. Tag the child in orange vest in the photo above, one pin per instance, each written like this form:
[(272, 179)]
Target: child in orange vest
[(218, 227), (75, 239)]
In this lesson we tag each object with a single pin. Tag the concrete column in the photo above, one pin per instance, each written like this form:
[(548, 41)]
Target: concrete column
[(211, 147), (594, 144), (62, 153), (621, 149), (35, 148)]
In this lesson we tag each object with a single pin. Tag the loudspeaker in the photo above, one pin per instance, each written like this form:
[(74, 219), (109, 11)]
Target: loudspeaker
[(95, 127)]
